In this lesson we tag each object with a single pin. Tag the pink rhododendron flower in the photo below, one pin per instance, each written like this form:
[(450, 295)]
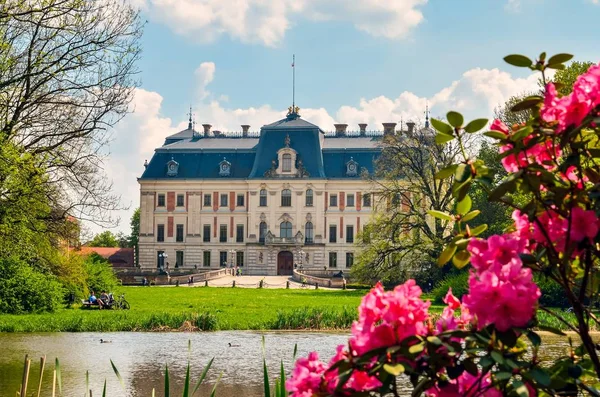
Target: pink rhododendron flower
[(498, 125), (306, 376), (466, 385), (551, 229), (571, 175), (495, 252), (387, 318), (584, 224), (359, 381), (451, 300), (543, 153)]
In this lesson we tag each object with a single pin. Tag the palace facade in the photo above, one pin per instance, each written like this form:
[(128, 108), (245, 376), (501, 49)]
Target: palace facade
[(291, 195)]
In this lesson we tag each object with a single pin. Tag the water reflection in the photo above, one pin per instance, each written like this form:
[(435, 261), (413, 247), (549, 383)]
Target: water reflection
[(141, 359)]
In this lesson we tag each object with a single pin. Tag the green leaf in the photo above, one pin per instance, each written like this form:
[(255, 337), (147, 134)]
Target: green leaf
[(58, 375), (520, 388), (540, 376), (282, 392), (167, 388), (518, 60), (527, 103), (462, 172), (461, 258), (434, 340), (186, 383), (104, 389), (470, 215), (416, 349), (559, 58), (495, 134), (476, 125), (441, 138), (455, 119), (557, 66), (114, 367), (476, 231), (214, 390), (394, 369), (464, 205), (534, 338), (442, 127), (553, 330), (500, 376), (446, 172), (446, 255), (521, 133), (470, 367), (497, 356), (202, 376), (267, 386), (440, 215)]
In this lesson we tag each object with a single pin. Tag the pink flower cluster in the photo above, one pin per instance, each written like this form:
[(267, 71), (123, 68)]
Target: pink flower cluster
[(573, 108), (501, 290), (466, 385), (544, 153), (449, 322), (387, 318)]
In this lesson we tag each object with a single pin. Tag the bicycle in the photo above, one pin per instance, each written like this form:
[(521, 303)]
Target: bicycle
[(121, 303)]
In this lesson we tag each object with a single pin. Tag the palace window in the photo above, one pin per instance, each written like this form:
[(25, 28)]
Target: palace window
[(161, 200), (333, 259), (224, 200), (287, 162), (207, 200), (223, 258), (206, 233), (206, 259), (349, 259), (285, 230), (332, 233), (239, 260), (308, 233), (239, 234), (263, 198), (309, 198), (160, 233), (349, 234), (333, 200), (179, 235), (223, 233), (350, 200), (180, 200), (262, 232), (178, 258), (240, 200), (366, 200), (286, 198)]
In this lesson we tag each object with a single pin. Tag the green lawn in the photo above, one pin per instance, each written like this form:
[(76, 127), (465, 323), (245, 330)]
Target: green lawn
[(200, 308)]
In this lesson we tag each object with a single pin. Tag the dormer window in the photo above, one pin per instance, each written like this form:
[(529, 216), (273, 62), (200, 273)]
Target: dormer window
[(287, 162)]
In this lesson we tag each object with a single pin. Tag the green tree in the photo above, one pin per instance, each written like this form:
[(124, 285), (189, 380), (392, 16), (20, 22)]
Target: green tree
[(566, 77), (104, 239), (403, 241), (134, 237)]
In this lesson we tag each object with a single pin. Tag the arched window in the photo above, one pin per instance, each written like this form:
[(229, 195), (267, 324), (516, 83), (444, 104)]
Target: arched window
[(287, 163), (309, 198), (262, 232), (285, 230), (286, 198), (308, 233), (263, 198)]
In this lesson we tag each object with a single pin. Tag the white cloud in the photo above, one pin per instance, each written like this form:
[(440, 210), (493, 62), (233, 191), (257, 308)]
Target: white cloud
[(266, 21), (476, 93), (513, 5), (205, 73)]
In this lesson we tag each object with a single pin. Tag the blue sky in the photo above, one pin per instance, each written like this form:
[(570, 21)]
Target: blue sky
[(356, 61)]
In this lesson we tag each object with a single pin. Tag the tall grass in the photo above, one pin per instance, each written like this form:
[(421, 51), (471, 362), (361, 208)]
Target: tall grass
[(314, 318)]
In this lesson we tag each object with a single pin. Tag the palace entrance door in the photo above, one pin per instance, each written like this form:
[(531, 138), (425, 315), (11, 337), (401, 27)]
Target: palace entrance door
[(285, 263)]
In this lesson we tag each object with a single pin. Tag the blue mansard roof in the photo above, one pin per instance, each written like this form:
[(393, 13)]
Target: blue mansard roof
[(250, 156)]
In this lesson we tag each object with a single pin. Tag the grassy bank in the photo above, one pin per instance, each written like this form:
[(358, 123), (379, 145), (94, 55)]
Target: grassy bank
[(209, 309)]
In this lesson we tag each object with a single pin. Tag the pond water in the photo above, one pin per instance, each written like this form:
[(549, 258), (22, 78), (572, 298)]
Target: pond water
[(141, 358)]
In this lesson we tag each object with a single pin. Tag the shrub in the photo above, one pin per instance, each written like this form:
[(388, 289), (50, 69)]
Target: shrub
[(25, 290), (553, 295), (100, 274), (459, 282)]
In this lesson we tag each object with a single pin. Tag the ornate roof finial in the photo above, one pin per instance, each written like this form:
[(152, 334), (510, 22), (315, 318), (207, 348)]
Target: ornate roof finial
[(190, 126), (426, 114), (287, 140)]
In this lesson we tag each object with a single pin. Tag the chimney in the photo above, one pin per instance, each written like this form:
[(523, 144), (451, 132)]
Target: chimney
[(340, 129), (411, 127), (389, 128), (206, 129), (363, 129), (217, 133), (245, 128)]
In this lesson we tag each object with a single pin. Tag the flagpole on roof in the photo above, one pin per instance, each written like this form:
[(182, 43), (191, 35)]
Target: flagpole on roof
[(293, 82)]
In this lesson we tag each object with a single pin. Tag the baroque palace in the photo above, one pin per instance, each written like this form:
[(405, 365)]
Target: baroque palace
[(291, 196)]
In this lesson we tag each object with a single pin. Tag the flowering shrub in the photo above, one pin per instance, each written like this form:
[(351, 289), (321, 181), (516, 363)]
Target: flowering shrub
[(478, 347)]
